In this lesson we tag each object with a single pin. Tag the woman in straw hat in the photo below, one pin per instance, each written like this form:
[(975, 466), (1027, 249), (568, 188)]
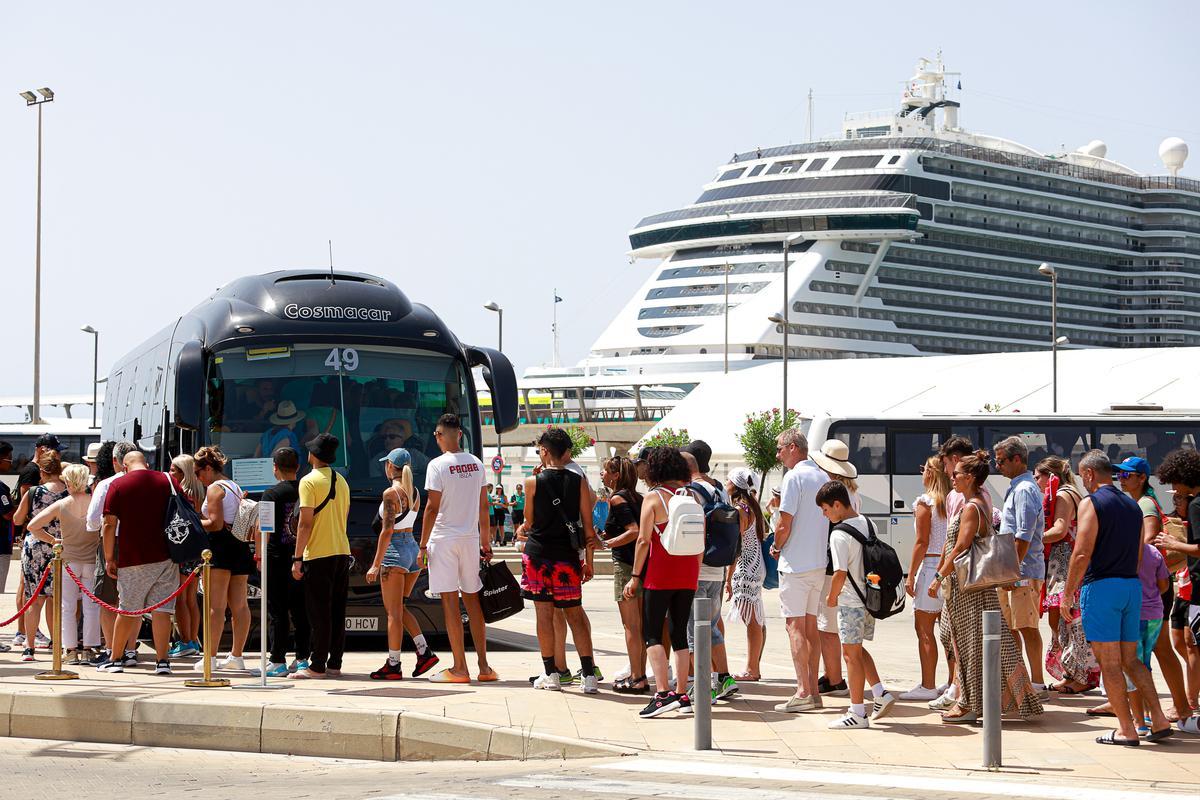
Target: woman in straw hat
[(281, 433)]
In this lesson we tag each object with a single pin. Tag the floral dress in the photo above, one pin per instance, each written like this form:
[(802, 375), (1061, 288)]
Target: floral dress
[(1069, 657), (36, 554), (749, 573)]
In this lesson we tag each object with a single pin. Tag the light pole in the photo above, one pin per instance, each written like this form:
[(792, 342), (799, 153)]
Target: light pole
[(95, 367), (32, 99), (726, 317), (779, 320), (493, 306), (787, 302), (1052, 274)]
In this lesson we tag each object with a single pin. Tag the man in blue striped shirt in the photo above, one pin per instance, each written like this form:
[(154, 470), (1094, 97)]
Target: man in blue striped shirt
[(1024, 518)]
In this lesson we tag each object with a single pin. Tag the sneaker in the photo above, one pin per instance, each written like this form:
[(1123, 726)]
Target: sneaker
[(551, 682), (795, 704), (425, 662), (849, 722), (591, 684), (185, 649), (565, 678), (130, 659), (834, 689), (578, 676), (943, 702), (727, 688), (660, 704), (883, 706), (41, 640), (298, 664), (231, 662), (277, 670), (388, 672), (1189, 725), (18, 640), (919, 693), (112, 665), (685, 704), (306, 674), (162, 667), (176, 649), (27, 654), (98, 658), (76, 657), (4, 648)]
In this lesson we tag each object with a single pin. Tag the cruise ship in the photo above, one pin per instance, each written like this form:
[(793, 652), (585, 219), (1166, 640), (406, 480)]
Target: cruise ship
[(907, 236)]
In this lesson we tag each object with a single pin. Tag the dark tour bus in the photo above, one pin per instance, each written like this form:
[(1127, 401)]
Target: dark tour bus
[(348, 350)]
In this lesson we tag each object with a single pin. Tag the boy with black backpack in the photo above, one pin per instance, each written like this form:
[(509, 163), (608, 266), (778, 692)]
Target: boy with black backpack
[(851, 593)]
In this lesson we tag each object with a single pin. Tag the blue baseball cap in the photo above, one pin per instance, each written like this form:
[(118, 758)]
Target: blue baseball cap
[(399, 458), (1133, 464)]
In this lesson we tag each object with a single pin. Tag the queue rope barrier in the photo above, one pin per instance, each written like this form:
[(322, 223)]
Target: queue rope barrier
[(28, 603), (116, 610)]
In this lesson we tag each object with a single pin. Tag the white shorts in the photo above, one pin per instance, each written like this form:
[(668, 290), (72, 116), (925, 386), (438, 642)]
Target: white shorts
[(922, 601), (827, 617), (454, 565), (800, 593)]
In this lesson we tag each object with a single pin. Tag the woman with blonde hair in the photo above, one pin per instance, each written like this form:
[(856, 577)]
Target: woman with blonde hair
[(79, 553), (232, 562), (38, 551), (929, 516), (187, 606), (395, 565)]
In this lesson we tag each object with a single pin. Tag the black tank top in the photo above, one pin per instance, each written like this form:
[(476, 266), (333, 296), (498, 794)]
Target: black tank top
[(548, 539), (618, 520)]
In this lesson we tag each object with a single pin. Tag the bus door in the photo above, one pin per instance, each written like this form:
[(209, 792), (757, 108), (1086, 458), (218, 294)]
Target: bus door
[(909, 447)]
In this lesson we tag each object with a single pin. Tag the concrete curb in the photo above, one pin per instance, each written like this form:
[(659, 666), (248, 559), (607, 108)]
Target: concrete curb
[(370, 734)]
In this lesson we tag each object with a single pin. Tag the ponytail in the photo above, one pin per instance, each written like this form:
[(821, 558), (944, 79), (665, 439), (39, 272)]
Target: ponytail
[(406, 486)]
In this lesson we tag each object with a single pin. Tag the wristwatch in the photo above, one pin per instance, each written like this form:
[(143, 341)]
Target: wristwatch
[(297, 559)]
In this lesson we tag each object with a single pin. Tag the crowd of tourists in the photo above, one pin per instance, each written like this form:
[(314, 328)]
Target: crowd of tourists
[(1094, 555)]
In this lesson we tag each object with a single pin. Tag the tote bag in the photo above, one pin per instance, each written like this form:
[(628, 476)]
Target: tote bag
[(501, 596), (186, 537)]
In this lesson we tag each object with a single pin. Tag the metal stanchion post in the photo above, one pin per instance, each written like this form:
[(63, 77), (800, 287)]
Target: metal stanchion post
[(266, 523), (56, 672), (208, 681), (702, 670), (991, 689)]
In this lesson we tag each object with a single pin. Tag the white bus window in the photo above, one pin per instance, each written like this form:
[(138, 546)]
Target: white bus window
[(867, 444), (1151, 442), (1066, 441), (911, 449)]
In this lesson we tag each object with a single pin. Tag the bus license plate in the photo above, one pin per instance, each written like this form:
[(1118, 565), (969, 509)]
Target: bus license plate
[(362, 623)]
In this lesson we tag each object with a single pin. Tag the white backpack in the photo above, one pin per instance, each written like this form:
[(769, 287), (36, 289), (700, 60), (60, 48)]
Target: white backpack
[(684, 534)]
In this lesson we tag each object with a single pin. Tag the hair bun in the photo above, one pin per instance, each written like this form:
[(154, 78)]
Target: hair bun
[(982, 454)]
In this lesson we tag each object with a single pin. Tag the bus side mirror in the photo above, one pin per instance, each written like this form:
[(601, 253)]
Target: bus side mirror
[(189, 386), (502, 381)]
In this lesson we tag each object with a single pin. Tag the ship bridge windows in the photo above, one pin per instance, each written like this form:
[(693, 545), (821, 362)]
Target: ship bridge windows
[(785, 166), (858, 162), (731, 174), (755, 170), (751, 227), (906, 184), (817, 164), (893, 159)]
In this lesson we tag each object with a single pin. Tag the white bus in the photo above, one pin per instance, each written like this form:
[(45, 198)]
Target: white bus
[(889, 451), (76, 434)]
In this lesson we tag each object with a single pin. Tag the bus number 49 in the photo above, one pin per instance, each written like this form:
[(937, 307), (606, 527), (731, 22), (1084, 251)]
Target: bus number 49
[(346, 358)]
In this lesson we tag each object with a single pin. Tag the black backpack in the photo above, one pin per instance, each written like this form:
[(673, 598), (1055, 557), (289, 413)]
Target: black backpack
[(722, 537), (884, 598)]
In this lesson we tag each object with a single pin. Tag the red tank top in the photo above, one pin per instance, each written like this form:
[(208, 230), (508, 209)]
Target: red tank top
[(665, 571)]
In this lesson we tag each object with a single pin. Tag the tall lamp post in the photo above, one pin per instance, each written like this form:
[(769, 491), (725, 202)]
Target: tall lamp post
[(95, 368), (778, 319), (787, 302), (499, 346), (1052, 274), (32, 99)]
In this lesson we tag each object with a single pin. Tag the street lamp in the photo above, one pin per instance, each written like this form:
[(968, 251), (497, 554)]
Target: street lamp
[(493, 306), (778, 319), (32, 99), (787, 302), (1055, 339), (95, 367)]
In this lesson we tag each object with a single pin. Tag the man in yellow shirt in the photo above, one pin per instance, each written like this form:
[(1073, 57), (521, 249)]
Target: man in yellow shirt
[(324, 565)]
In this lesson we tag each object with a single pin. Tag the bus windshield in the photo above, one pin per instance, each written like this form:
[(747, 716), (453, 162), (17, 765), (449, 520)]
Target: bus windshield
[(373, 399)]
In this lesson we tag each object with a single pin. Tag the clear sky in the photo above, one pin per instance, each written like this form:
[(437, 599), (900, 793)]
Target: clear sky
[(475, 152)]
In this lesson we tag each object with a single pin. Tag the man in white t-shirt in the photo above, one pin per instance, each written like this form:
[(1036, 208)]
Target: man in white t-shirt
[(855, 624), (454, 534), (801, 537)]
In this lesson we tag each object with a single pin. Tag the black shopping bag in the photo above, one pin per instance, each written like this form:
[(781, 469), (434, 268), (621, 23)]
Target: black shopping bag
[(501, 596), (186, 537)]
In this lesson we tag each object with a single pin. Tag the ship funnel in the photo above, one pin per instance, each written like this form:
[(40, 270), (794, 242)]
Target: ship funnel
[(1173, 151), (1095, 148)]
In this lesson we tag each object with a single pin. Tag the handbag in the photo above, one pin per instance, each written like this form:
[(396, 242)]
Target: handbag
[(1175, 528), (246, 519), (990, 561), (186, 537), (771, 579), (500, 597), (574, 527)]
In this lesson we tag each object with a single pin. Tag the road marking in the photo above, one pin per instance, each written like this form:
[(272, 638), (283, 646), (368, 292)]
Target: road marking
[(925, 783), (682, 791)]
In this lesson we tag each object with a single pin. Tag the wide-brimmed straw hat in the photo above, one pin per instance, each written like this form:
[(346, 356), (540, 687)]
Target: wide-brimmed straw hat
[(834, 458), (92, 451), (287, 414)]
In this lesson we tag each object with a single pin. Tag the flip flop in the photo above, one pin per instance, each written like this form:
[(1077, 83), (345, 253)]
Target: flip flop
[(1097, 712), (747, 677), (488, 677), (1155, 736), (1111, 738), (446, 676)]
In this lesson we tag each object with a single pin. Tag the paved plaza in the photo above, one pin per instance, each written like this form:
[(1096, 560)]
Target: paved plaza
[(1060, 743)]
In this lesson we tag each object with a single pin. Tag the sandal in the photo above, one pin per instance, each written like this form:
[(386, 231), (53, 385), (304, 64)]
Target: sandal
[(1103, 710), (626, 686), (1111, 738), (747, 677)]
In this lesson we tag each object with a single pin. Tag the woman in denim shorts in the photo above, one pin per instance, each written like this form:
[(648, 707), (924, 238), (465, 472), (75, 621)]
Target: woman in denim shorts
[(396, 561)]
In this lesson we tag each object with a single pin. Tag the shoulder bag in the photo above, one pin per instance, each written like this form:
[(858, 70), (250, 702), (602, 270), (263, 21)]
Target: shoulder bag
[(186, 537), (990, 561), (246, 519), (574, 528)]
